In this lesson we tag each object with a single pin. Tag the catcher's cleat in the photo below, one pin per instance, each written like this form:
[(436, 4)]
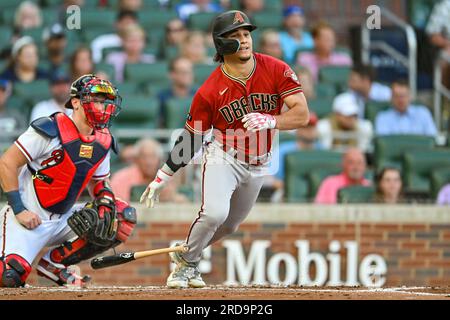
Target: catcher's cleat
[(62, 276), (185, 274)]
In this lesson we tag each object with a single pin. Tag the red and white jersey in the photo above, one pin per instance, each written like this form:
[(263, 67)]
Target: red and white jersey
[(41, 152), (223, 100)]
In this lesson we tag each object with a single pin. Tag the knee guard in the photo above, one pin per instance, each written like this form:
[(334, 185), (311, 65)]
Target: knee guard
[(73, 252), (14, 270)]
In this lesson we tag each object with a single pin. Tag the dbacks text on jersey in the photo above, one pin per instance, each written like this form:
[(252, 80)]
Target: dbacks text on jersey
[(255, 102)]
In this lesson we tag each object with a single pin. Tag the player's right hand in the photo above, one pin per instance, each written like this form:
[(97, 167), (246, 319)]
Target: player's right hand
[(28, 219), (151, 193)]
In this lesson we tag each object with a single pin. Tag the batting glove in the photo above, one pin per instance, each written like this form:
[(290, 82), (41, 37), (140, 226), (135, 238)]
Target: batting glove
[(259, 121), (151, 193)]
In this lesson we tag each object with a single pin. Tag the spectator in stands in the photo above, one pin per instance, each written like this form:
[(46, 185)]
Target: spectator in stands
[(23, 65), (294, 37), (307, 81), (149, 154), (81, 62), (443, 197), (181, 74), (184, 10), (112, 40), (133, 39), (11, 120), (362, 84), (59, 84), (388, 185), (404, 117), (269, 44), (353, 170), (55, 42), (438, 29), (250, 7), (27, 16), (194, 48), (343, 129), (324, 53), (306, 139), (174, 35)]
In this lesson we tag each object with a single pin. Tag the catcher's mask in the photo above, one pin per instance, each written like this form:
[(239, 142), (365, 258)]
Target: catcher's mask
[(100, 100), (225, 23)]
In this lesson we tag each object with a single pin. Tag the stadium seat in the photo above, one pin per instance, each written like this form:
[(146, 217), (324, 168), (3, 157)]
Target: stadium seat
[(203, 71), (439, 178), (389, 150), (11, 4), (93, 18), (201, 21), (50, 16), (299, 165), (322, 106), (156, 18), (138, 112), (128, 88), (356, 194), (372, 108), (327, 90), (265, 20), (418, 165), (93, 32), (144, 72), (34, 91), (35, 33), (337, 75), (176, 112), (5, 36)]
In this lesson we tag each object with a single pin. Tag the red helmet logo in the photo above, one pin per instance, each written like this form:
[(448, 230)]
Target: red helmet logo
[(238, 18)]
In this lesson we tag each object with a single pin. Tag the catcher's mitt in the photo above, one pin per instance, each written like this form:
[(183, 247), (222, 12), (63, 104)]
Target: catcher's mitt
[(89, 225)]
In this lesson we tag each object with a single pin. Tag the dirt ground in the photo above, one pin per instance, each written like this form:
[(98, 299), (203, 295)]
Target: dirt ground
[(225, 293)]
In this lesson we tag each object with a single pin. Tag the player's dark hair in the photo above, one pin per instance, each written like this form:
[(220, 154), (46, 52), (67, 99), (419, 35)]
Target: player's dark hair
[(218, 58), (365, 71)]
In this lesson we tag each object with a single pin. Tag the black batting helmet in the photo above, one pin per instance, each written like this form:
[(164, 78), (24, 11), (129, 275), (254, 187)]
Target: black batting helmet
[(225, 23)]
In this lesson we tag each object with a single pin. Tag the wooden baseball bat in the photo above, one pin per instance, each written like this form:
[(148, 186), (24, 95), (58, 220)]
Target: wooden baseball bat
[(124, 257)]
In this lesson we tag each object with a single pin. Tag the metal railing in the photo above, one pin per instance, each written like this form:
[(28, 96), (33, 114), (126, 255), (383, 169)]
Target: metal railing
[(409, 61), (439, 88)]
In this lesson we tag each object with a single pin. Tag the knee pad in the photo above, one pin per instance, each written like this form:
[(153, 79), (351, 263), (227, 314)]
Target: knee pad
[(14, 270), (73, 252)]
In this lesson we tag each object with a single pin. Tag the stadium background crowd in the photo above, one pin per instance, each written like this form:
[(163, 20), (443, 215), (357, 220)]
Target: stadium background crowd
[(369, 138)]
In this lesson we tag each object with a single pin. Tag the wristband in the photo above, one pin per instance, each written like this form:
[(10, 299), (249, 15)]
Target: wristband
[(15, 201)]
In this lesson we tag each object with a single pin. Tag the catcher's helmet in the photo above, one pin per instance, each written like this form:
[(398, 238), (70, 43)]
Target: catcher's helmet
[(225, 23), (87, 88)]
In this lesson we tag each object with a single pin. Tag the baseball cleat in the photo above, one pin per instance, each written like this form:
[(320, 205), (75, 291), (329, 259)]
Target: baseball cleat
[(64, 276), (185, 274)]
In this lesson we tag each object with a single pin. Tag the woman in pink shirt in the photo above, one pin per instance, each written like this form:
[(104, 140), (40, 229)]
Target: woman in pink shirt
[(323, 54), (353, 169)]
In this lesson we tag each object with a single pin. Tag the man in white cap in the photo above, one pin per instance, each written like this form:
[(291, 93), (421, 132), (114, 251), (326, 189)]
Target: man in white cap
[(343, 129)]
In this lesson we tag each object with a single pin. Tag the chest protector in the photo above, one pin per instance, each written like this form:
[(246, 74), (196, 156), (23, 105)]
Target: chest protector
[(59, 186)]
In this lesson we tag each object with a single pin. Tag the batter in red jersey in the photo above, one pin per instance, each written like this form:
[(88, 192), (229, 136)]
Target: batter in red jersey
[(241, 102)]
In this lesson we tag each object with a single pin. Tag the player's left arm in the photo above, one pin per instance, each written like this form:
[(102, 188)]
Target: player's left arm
[(298, 114)]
